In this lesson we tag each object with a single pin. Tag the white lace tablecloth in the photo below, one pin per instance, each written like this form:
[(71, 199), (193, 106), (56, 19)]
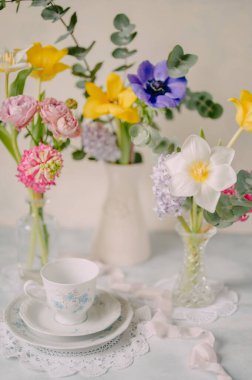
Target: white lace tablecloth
[(173, 344)]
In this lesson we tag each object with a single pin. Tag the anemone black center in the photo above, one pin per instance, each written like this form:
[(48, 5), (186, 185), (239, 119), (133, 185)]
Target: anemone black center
[(156, 87)]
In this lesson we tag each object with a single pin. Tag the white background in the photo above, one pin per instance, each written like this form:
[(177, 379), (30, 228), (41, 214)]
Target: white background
[(219, 31)]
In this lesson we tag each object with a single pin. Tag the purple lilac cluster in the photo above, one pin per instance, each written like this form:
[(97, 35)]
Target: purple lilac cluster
[(99, 142), (166, 204)]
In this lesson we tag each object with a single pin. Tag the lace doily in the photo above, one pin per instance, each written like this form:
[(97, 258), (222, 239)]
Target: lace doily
[(117, 354), (226, 304)]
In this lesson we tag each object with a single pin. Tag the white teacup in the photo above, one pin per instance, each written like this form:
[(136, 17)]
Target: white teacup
[(68, 288)]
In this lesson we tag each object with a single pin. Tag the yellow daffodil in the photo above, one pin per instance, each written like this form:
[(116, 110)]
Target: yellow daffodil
[(117, 101), (11, 61), (244, 110), (46, 58)]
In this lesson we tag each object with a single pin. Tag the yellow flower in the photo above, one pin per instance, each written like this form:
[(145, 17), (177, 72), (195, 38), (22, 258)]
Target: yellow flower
[(117, 101), (11, 61), (244, 110), (47, 59)]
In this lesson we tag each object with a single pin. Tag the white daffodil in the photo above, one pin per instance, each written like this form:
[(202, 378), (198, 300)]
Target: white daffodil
[(11, 61), (201, 172)]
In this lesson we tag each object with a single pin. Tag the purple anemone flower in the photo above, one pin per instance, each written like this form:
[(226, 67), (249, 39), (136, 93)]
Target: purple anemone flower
[(153, 85)]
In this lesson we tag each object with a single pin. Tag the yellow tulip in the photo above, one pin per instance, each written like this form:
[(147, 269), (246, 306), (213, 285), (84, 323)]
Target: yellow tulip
[(46, 58), (117, 101), (244, 110)]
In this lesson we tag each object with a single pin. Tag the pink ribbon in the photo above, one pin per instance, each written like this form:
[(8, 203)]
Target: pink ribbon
[(202, 356)]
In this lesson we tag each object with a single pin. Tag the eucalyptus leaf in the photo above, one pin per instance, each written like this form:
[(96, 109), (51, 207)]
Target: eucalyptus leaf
[(62, 37), (2, 4), (119, 39), (123, 53), (80, 84), (123, 67), (96, 69), (80, 52), (121, 21), (78, 70), (54, 12), (73, 22), (40, 3), (168, 114), (175, 56)]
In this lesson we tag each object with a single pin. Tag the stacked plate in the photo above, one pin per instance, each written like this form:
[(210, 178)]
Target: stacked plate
[(33, 322)]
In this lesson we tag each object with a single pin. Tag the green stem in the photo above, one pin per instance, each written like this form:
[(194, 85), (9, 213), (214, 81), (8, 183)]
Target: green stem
[(32, 247), (194, 216), (7, 85), (14, 136), (124, 142), (39, 88), (183, 223), (235, 137)]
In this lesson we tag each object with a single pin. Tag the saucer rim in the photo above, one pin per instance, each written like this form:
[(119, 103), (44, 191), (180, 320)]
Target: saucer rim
[(37, 330)]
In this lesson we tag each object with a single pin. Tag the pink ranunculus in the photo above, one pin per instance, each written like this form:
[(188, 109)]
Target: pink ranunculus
[(66, 126), (52, 109), (18, 110), (39, 167)]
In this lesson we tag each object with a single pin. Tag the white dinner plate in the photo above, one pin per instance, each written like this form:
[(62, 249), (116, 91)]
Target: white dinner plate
[(20, 330), (105, 310)]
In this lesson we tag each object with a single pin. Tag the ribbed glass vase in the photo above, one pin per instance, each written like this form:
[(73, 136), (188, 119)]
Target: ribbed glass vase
[(192, 289)]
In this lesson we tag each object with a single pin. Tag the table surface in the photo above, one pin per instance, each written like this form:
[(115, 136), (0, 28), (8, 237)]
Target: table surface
[(229, 259)]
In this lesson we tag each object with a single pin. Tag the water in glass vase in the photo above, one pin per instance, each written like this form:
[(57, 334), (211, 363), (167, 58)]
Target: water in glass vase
[(192, 289), (36, 239)]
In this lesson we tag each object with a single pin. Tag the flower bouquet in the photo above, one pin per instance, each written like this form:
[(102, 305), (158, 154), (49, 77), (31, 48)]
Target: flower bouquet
[(124, 115), (47, 124), (197, 184)]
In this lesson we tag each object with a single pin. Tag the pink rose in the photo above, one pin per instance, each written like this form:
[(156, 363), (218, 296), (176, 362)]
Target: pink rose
[(52, 109), (66, 126), (18, 110)]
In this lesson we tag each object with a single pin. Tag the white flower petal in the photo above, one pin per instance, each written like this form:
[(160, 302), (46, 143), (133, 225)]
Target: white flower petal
[(222, 155), (221, 177), (176, 164), (182, 185), (195, 149), (207, 197)]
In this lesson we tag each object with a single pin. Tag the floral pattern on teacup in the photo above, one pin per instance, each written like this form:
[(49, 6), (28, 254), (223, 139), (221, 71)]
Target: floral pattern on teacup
[(72, 301)]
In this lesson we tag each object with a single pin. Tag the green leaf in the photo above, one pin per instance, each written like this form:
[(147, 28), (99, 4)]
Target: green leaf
[(62, 37), (73, 22), (95, 70), (121, 21), (216, 112), (168, 114), (123, 53), (6, 140), (79, 52), (120, 39), (123, 67), (17, 87), (78, 70), (78, 154), (139, 134), (179, 63), (80, 84), (40, 3), (54, 12), (243, 185), (138, 158), (175, 56), (2, 4), (202, 134)]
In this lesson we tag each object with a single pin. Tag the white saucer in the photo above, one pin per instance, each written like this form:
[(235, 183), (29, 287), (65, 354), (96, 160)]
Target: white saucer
[(105, 310), (19, 329)]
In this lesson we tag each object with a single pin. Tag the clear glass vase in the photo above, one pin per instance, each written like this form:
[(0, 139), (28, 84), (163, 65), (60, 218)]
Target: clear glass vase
[(36, 239), (192, 288)]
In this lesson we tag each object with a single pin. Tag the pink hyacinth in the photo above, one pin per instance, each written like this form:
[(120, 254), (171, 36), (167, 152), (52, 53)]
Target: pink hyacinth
[(18, 110), (39, 167), (60, 120)]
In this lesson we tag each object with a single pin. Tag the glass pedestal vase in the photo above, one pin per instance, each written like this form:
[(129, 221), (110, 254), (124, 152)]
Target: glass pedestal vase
[(192, 288), (122, 237), (36, 240)]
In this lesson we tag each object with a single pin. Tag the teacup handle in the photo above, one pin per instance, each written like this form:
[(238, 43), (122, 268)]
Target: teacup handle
[(31, 288)]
